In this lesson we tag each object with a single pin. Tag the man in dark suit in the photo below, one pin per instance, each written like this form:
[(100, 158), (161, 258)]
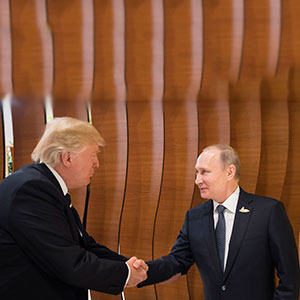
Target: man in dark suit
[(237, 239), (45, 253)]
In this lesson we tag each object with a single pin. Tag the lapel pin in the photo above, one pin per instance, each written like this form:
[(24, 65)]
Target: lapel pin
[(244, 210)]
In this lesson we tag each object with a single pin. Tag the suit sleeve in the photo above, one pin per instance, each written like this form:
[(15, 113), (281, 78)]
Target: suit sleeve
[(103, 252), (284, 254), (179, 260), (39, 226)]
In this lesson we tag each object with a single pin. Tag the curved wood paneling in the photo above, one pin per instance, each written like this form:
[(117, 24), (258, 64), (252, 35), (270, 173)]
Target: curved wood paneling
[(110, 118), (145, 162), (275, 137), (32, 75), (109, 77), (183, 70), (27, 129), (261, 38), (291, 191), (32, 49), (5, 49), (245, 98), (72, 26), (290, 41), (144, 78), (108, 184), (181, 135), (223, 40)]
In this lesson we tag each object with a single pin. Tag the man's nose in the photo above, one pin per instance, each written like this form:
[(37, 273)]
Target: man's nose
[(96, 163), (198, 179)]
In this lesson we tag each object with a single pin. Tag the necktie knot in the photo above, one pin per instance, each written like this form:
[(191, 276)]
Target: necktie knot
[(68, 198), (220, 209)]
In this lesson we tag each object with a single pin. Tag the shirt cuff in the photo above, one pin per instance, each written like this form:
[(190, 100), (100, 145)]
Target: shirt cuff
[(128, 274)]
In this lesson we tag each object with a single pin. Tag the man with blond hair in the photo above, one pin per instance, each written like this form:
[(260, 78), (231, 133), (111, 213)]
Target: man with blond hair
[(237, 239), (45, 253)]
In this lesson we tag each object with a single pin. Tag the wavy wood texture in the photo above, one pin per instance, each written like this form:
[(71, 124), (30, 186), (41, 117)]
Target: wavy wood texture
[(31, 76), (110, 118), (183, 69), (291, 191), (5, 49), (31, 49), (144, 78), (72, 27), (165, 78)]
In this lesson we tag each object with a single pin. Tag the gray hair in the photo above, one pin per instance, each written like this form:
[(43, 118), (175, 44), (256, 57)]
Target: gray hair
[(228, 156), (65, 135)]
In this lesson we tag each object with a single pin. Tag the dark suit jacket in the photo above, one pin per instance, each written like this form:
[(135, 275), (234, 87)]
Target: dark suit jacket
[(42, 255), (262, 240)]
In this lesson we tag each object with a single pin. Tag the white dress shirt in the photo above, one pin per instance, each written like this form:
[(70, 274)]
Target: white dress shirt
[(230, 205), (65, 191)]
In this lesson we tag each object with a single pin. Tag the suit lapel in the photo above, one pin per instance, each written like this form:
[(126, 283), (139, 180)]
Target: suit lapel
[(68, 211), (209, 236), (239, 229)]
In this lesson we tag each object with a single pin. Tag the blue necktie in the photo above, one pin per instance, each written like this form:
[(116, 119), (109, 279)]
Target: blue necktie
[(220, 234)]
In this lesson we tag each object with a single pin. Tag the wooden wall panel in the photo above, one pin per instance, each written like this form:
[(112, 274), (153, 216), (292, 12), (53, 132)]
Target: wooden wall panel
[(32, 49), (109, 41), (27, 129), (223, 40), (245, 109), (108, 183), (181, 135), (291, 192), (144, 78), (183, 70), (110, 118), (32, 75), (5, 49), (274, 148), (290, 32), (72, 24), (261, 38)]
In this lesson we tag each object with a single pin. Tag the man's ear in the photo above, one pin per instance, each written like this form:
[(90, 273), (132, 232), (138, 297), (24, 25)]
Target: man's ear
[(231, 169), (66, 159)]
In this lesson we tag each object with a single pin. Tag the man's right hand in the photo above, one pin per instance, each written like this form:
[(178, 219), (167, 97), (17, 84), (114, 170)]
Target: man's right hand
[(138, 271)]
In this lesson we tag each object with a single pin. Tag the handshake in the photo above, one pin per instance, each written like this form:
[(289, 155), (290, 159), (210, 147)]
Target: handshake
[(138, 271)]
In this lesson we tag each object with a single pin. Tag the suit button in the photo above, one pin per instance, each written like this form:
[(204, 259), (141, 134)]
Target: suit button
[(223, 288)]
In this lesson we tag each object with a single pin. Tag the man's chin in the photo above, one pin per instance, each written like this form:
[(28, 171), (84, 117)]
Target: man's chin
[(204, 196)]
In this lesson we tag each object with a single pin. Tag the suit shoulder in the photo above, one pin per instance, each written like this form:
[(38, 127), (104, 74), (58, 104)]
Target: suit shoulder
[(200, 209), (259, 200)]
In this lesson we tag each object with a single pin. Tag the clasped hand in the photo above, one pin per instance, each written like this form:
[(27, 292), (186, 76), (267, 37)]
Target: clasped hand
[(138, 271)]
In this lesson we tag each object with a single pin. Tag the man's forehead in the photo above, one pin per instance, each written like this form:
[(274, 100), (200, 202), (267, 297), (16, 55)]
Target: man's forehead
[(207, 156)]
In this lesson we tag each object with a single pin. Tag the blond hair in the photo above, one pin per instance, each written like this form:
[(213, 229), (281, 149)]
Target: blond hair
[(65, 135), (228, 156)]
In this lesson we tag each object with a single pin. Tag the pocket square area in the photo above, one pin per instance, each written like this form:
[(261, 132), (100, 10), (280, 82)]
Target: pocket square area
[(244, 210)]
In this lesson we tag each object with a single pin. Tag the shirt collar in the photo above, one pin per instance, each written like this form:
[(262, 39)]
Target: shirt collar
[(59, 179), (231, 202)]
